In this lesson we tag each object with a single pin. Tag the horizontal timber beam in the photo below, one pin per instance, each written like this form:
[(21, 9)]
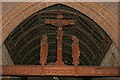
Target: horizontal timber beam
[(49, 70)]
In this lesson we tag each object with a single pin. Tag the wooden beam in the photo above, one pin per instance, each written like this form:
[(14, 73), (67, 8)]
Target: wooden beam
[(35, 70)]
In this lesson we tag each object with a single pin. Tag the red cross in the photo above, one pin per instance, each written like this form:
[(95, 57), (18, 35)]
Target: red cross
[(59, 23)]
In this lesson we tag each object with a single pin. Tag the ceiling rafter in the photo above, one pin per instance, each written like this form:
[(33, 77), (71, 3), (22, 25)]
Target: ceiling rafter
[(24, 41)]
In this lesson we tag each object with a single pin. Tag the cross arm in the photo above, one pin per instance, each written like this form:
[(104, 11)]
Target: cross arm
[(68, 22), (63, 22), (51, 21)]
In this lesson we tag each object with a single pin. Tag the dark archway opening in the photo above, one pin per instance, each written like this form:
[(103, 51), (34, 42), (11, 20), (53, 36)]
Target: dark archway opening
[(24, 41)]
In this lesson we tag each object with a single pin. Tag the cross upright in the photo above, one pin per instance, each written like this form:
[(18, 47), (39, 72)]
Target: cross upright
[(59, 23)]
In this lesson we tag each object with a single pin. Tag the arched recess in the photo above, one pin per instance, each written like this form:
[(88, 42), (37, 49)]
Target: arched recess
[(106, 21), (24, 41)]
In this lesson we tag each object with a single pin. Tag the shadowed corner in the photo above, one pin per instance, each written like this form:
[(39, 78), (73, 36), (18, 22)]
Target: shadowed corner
[(119, 33), (119, 26), (0, 39), (119, 29)]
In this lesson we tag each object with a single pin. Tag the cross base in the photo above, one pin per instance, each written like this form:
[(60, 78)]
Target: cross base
[(59, 63)]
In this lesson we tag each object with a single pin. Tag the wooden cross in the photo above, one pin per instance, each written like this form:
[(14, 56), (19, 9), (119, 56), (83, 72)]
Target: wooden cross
[(59, 23), (44, 50), (75, 50)]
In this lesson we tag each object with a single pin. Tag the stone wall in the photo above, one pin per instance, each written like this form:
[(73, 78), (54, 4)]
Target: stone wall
[(112, 57), (111, 7), (6, 58)]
